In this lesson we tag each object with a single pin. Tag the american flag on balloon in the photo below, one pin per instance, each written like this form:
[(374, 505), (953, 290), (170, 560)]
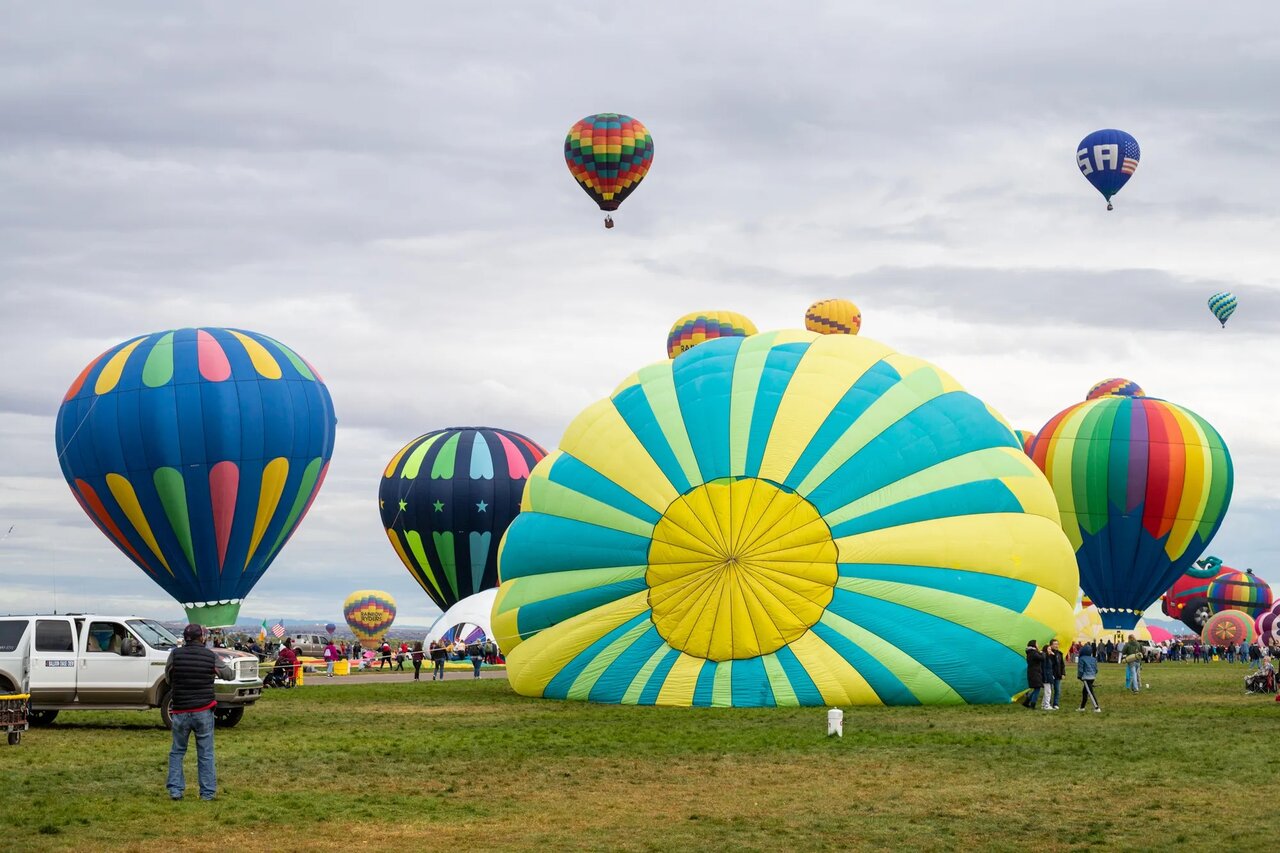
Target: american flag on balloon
[(277, 630), (1131, 154)]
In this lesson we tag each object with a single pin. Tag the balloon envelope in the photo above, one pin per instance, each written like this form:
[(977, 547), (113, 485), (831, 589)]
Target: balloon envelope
[(1115, 388), (1188, 598), (369, 613), (446, 499), (197, 452), (833, 317), (1243, 591), (1108, 158), (1227, 628), (702, 326), (330, 628), (608, 154), (1142, 485), (1222, 305), (760, 522), (1267, 625)]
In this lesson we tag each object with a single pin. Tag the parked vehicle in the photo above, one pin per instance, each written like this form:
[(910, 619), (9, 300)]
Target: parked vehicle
[(310, 645), (83, 661)]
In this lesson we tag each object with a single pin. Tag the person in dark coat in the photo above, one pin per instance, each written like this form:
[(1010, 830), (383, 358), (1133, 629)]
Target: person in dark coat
[(1055, 669), (189, 672), (1035, 674)]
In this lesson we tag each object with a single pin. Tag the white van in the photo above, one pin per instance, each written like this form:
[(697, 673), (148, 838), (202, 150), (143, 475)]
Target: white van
[(79, 661)]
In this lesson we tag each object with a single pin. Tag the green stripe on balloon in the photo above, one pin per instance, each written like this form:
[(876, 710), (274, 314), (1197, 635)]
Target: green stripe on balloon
[(444, 548), (305, 489), (173, 497), (420, 555), (413, 464), (1118, 469), (158, 369), (298, 364), (444, 464)]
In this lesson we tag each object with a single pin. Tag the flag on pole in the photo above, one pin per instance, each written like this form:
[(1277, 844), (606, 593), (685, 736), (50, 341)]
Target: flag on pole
[(262, 634), (277, 630)]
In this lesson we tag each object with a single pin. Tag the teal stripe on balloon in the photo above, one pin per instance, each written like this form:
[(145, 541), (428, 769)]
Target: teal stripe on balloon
[(619, 675), (649, 696), (541, 543), (952, 650), (887, 686), (1003, 592), (985, 496), (559, 686), (807, 693), (779, 367), (634, 408), (533, 617), (706, 683), (582, 478), (481, 459), (878, 379), (705, 403), (942, 428), (750, 686)]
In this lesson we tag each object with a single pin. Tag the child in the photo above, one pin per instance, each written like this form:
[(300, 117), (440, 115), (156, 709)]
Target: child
[(1087, 672)]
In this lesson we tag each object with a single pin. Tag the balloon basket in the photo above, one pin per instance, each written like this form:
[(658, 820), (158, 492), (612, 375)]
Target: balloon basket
[(213, 615)]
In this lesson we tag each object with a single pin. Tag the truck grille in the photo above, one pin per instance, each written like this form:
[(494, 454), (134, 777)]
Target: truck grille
[(246, 670)]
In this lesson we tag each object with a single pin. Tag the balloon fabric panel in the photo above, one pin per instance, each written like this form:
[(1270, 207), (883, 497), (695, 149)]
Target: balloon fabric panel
[(197, 453), (738, 557)]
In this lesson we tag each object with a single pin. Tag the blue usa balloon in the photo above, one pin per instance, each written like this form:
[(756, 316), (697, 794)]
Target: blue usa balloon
[(1108, 158)]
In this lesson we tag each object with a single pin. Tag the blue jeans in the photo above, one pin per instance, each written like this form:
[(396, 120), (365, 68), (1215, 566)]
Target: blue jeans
[(475, 662), (201, 723), (1033, 698), (1057, 691), (1133, 676)]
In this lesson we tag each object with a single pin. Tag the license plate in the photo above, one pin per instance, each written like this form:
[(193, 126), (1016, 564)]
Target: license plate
[(59, 663)]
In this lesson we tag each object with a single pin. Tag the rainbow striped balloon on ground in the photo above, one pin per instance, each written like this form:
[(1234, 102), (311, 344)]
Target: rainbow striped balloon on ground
[(764, 522), (369, 614), (1142, 485), (197, 452), (1229, 628), (446, 498), (702, 326), (1236, 590)]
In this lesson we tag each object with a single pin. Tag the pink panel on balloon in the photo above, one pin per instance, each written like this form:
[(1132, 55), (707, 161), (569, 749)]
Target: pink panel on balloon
[(224, 484), (517, 468), (213, 361)]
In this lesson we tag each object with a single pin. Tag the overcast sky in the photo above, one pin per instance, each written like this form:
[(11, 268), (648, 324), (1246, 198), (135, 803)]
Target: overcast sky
[(383, 189)]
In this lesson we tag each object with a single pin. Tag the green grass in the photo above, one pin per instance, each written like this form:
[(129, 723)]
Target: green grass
[(430, 765)]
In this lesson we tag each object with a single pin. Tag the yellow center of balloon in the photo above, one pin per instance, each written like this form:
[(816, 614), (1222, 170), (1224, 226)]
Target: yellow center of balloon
[(739, 569)]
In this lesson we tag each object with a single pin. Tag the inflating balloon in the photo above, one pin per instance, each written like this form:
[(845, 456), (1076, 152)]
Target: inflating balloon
[(1108, 158), (783, 519), (1115, 388), (1142, 485), (1025, 437), (608, 154), (369, 613), (1229, 628), (446, 498), (197, 452), (1188, 599), (1267, 625), (1243, 591), (1089, 628), (833, 317), (701, 326), (1222, 305)]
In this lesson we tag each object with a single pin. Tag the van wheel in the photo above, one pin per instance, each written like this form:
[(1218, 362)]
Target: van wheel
[(166, 708), (41, 718), (227, 718)]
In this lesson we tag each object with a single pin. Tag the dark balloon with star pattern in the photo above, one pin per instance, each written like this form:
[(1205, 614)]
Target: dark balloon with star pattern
[(447, 498)]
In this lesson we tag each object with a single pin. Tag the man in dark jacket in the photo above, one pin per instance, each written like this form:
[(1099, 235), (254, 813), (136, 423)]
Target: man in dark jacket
[(1035, 674), (1055, 668), (189, 673)]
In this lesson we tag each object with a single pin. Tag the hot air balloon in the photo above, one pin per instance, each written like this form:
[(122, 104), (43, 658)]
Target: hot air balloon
[(759, 523), (446, 498), (1228, 628), (608, 154), (1025, 437), (1243, 591), (330, 628), (369, 613), (1267, 624), (833, 317), (1142, 485), (700, 326), (1115, 388), (1222, 305), (197, 452), (1108, 158), (1188, 599)]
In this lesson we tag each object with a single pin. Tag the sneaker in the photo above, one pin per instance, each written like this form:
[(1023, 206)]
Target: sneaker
[(1079, 709), (1055, 707), (1097, 710)]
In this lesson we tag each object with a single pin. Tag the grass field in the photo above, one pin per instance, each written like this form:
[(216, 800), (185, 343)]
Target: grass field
[(468, 763)]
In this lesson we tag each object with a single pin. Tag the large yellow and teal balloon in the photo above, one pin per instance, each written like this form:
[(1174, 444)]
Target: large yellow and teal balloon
[(1142, 485), (369, 613), (784, 519)]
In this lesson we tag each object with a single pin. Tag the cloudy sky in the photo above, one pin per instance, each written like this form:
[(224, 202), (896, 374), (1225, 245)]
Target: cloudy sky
[(383, 189)]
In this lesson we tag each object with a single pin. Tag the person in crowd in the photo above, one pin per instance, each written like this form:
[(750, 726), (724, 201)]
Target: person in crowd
[(331, 657), (1054, 670), (1035, 674), (402, 654), (1087, 673), (417, 660), (288, 659), (384, 655), (1231, 653), (1255, 656), (1132, 652), (477, 657), (190, 671), (439, 654)]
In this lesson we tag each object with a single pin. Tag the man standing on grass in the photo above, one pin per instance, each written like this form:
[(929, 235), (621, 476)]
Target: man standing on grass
[(189, 672), (1055, 669), (1035, 674), (1133, 664)]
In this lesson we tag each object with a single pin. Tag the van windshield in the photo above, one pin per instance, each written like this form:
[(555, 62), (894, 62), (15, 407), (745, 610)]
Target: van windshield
[(153, 634)]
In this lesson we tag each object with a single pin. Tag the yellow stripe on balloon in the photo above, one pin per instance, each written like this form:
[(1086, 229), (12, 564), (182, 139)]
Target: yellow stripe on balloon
[(110, 374), (836, 679), (122, 491), (1021, 547), (274, 475), (798, 418), (681, 681), (1195, 484), (540, 471), (1034, 493), (784, 694), (659, 389), (263, 361), (1054, 612), (534, 662), (922, 682), (586, 680), (600, 438), (637, 685)]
